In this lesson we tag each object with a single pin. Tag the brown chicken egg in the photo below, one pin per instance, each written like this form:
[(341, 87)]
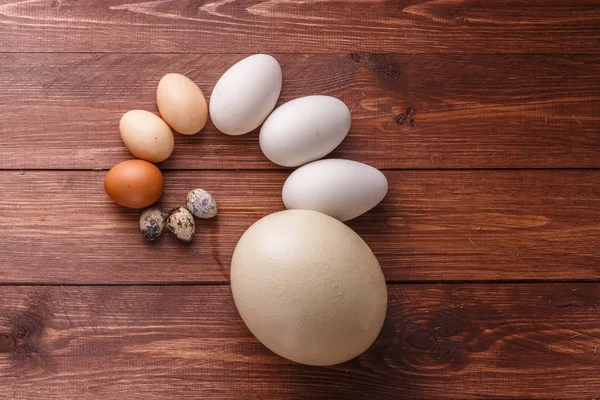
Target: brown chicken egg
[(134, 183)]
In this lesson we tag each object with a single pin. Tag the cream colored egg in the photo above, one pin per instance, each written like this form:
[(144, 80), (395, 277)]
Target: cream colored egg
[(308, 287), (181, 104), (146, 135)]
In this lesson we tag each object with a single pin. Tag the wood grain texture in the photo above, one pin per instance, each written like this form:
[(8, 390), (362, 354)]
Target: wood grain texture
[(457, 100), (439, 342), (225, 26), (60, 227), (427, 111)]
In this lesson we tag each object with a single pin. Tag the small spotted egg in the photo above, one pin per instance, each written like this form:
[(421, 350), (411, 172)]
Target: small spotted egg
[(181, 223), (152, 222), (201, 203)]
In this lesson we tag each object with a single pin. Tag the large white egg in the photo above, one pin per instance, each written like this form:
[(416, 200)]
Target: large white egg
[(304, 130), (308, 287), (246, 94), (343, 189)]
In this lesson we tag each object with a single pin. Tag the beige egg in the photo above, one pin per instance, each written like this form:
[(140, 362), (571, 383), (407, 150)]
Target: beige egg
[(181, 104), (308, 287), (146, 135)]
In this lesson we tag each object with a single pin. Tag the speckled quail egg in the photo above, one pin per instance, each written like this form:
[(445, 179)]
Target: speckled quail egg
[(201, 203), (152, 222), (180, 222)]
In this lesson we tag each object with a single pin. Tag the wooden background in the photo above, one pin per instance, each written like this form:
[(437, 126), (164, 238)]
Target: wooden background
[(484, 115)]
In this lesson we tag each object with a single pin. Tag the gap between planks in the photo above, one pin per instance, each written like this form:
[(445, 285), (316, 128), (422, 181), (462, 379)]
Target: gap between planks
[(242, 53), (388, 282), (295, 168)]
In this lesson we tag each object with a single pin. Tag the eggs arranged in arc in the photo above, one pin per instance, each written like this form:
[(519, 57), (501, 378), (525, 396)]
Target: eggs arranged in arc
[(304, 130), (181, 104), (246, 94), (343, 189), (146, 135), (308, 287), (134, 183)]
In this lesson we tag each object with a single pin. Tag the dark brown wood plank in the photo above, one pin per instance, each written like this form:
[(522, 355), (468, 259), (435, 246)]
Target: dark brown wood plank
[(472, 341), (405, 26), (60, 227), (425, 111)]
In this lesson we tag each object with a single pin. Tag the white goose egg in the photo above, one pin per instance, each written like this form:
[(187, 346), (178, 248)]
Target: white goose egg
[(246, 94), (343, 189), (304, 130)]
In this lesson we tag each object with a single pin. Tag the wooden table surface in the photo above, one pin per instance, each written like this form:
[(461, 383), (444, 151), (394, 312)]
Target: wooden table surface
[(484, 116)]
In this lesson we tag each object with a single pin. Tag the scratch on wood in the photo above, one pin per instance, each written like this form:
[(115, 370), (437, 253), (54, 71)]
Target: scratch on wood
[(62, 305), (577, 335), (92, 326)]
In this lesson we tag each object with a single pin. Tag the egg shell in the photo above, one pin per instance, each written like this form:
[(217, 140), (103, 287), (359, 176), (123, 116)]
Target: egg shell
[(134, 183), (152, 222), (201, 203), (304, 130), (181, 104), (180, 222), (308, 287), (146, 135), (245, 95), (343, 189)]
